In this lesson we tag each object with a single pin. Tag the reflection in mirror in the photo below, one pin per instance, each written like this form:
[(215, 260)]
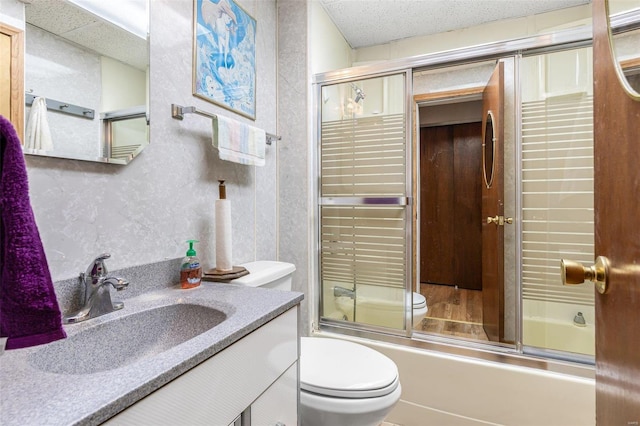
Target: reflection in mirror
[(624, 33), (488, 150), (83, 59)]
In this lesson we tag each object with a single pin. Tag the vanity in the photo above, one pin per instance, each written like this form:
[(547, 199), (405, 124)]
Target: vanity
[(218, 354)]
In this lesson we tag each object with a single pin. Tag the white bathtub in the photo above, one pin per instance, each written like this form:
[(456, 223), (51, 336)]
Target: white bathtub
[(559, 335), (375, 305), (431, 379)]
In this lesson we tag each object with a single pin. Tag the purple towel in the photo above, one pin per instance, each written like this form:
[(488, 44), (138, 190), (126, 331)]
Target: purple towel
[(29, 311)]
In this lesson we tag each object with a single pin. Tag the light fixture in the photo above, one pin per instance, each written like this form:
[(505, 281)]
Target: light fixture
[(131, 15)]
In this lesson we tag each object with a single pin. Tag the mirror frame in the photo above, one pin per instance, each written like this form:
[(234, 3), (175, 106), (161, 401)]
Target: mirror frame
[(488, 181), (629, 90)]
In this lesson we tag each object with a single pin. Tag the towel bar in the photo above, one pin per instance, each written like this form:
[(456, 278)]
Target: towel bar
[(178, 112)]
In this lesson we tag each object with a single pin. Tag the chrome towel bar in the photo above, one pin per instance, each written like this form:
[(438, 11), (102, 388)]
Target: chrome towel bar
[(178, 112)]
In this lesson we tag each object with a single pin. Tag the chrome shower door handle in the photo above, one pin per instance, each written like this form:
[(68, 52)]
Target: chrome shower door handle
[(576, 273)]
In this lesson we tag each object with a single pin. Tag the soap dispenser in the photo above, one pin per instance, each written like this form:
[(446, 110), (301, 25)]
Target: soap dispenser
[(190, 269)]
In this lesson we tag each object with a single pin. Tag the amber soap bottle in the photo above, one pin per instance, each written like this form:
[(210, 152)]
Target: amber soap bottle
[(190, 268)]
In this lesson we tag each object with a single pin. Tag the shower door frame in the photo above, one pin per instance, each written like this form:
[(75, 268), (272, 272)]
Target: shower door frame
[(406, 201), (514, 355)]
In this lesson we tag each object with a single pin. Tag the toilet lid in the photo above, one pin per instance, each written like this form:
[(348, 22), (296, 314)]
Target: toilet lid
[(419, 301), (345, 369)]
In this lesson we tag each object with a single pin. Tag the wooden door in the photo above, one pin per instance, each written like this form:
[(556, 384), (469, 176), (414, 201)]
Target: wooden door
[(492, 206), (450, 201), (12, 76), (617, 236)]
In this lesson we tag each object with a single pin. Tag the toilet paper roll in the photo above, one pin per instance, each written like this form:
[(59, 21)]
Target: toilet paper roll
[(223, 236)]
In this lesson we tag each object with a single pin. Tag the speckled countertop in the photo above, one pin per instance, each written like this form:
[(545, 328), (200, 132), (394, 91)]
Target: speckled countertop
[(31, 393)]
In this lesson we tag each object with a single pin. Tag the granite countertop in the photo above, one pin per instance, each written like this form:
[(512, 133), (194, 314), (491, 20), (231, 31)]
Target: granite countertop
[(33, 394)]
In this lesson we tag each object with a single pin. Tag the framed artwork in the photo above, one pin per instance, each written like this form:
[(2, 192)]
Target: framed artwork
[(224, 55)]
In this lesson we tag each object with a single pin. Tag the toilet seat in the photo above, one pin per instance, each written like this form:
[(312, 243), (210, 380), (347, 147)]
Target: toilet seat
[(419, 301), (342, 369)]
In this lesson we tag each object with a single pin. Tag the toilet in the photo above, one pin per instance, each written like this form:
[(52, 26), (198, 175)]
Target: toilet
[(341, 382)]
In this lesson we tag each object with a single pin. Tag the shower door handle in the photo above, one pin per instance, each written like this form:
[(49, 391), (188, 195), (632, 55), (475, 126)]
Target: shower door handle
[(576, 273)]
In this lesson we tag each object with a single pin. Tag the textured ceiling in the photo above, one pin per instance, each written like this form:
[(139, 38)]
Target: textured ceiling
[(371, 22), (85, 29)]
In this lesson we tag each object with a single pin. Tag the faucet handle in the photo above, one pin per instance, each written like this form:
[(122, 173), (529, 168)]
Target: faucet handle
[(97, 268)]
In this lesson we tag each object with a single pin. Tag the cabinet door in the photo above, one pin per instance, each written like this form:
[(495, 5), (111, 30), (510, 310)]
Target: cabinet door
[(278, 405)]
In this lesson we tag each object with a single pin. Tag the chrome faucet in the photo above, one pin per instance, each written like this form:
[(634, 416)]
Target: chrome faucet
[(341, 292), (97, 298)]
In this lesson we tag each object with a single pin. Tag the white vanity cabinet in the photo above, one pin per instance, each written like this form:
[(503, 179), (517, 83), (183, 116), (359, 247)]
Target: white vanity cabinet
[(258, 375), (275, 407)]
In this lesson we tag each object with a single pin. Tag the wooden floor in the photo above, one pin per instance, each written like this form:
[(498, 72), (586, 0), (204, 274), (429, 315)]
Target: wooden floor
[(452, 312)]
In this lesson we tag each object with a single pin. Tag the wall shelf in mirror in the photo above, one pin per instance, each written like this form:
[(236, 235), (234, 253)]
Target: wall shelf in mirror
[(62, 107)]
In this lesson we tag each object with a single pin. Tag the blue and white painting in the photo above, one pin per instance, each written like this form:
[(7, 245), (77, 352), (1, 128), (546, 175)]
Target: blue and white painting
[(225, 55)]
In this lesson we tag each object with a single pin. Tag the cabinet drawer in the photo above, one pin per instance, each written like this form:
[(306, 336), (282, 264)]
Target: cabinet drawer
[(216, 391)]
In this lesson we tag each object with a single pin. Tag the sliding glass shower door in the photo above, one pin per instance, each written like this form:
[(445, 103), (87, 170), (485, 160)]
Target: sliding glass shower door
[(364, 219), (557, 199)]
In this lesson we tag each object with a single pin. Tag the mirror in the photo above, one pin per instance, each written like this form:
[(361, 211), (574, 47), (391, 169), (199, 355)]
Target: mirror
[(488, 150), (91, 66), (624, 36)]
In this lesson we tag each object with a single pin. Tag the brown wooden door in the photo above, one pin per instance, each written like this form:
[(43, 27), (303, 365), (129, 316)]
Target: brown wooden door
[(450, 201), (493, 205), (12, 76), (617, 236)]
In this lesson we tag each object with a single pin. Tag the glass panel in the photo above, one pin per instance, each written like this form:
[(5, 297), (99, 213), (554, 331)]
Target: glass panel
[(363, 163), (363, 264), (557, 198)]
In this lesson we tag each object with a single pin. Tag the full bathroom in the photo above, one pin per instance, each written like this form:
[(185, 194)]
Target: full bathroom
[(417, 196)]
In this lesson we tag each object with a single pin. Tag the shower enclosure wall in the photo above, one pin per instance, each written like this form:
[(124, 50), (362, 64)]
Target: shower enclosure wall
[(369, 220)]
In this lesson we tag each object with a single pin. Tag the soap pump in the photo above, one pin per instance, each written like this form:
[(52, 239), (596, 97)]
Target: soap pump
[(190, 269)]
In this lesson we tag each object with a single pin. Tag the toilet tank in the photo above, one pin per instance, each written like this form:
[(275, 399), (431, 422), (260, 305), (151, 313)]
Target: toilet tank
[(267, 274)]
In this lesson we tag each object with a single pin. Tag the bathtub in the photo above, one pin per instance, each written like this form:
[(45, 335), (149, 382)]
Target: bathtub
[(558, 335), (435, 383), (379, 306)]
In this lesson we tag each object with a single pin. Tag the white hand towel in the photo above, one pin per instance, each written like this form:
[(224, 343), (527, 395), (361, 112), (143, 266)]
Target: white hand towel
[(239, 142), (38, 135)]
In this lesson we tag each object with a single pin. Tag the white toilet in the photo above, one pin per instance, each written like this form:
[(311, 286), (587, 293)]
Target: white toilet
[(341, 382)]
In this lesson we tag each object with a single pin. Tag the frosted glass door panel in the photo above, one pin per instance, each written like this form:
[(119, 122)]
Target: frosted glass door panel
[(362, 202), (557, 198)]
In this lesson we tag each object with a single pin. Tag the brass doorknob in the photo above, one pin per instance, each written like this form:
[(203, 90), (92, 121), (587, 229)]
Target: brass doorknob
[(576, 273), (494, 219), (499, 220)]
